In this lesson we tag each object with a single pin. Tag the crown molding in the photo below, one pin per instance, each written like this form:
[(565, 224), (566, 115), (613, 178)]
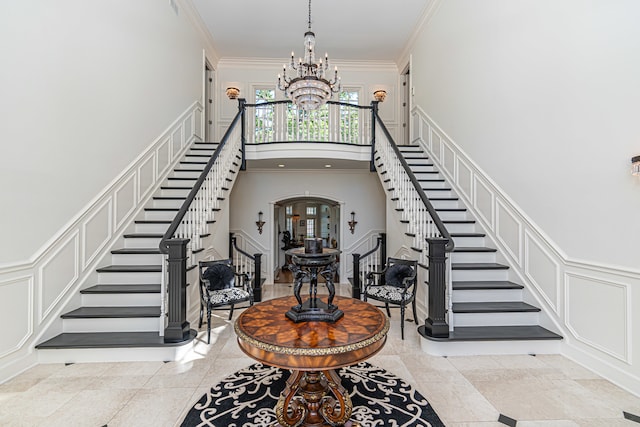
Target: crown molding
[(193, 16), (428, 12), (276, 64)]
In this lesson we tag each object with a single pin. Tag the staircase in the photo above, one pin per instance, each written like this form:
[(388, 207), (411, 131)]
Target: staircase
[(119, 317), (489, 313)]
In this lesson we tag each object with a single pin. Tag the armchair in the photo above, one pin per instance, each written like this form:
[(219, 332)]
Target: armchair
[(395, 284), (221, 286)]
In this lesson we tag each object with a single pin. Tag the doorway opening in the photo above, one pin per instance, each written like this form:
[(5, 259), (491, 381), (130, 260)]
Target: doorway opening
[(300, 218)]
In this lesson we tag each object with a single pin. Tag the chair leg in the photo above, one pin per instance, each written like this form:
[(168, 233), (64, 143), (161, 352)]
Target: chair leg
[(201, 315), (208, 325), (402, 321), (231, 312), (386, 304), (413, 305)]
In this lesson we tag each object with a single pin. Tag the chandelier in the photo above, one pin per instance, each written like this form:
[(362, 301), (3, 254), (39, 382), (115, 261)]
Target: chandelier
[(308, 86)]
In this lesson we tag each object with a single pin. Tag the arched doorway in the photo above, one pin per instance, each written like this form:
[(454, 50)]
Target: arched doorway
[(302, 217)]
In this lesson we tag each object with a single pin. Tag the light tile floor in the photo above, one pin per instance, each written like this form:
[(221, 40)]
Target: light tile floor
[(544, 390)]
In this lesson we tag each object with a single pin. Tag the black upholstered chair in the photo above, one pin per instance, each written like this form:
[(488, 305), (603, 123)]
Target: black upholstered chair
[(221, 286), (396, 284)]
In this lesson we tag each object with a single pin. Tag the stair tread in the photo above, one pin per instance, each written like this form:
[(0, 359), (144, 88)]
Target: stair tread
[(169, 198), (153, 221), (112, 312), (493, 307), (137, 251), (131, 269), (496, 333), (473, 249), (143, 235), (123, 289), (485, 284), (458, 221), (478, 266), (107, 340), (468, 234)]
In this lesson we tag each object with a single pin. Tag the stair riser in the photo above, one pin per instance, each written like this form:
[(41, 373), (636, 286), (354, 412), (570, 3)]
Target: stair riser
[(495, 319), (461, 228), (151, 228), (415, 169), (452, 215), (127, 324), (136, 259), (434, 184), (170, 203), (482, 275), (487, 295), (468, 241), (473, 257), (187, 174), (445, 204), (120, 300), (200, 151), (146, 242), (128, 278), (439, 193), (163, 215), (102, 355), (175, 192), (473, 348)]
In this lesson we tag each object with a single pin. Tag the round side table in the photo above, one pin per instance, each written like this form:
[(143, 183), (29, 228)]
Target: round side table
[(313, 351)]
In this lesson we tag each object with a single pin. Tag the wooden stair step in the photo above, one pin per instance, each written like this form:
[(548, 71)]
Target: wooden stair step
[(123, 289), (502, 333), (143, 235), (484, 285), (130, 269), (478, 266), (136, 251), (473, 249), (108, 340), (112, 312), (493, 307)]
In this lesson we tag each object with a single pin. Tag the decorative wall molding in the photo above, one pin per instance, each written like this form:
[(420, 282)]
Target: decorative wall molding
[(16, 293), (562, 286), (55, 273)]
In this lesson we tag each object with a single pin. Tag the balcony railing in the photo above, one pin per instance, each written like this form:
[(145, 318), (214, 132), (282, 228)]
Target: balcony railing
[(280, 121)]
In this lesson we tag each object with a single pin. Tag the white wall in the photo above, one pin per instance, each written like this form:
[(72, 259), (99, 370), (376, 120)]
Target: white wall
[(86, 87), (249, 74), (543, 96), (356, 190), (530, 109)]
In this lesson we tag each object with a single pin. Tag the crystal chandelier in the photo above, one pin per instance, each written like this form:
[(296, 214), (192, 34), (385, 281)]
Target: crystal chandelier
[(308, 87)]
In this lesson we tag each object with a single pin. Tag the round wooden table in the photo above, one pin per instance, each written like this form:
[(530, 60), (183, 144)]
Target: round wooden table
[(313, 351)]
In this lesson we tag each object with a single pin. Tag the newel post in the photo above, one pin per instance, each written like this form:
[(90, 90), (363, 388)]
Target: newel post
[(436, 324), (374, 116), (243, 126), (178, 328), (355, 286), (257, 287)]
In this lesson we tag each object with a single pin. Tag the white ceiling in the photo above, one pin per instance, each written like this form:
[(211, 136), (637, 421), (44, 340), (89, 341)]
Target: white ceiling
[(348, 30)]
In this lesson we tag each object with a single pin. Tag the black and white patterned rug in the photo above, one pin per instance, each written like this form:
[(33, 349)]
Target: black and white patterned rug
[(248, 398)]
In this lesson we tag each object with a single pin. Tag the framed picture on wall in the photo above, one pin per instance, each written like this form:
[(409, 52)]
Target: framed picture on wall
[(302, 223)]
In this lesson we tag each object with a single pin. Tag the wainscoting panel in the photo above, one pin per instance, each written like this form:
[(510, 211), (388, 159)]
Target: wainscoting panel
[(163, 154), (483, 201), (146, 176), (16, 313), (96, 232), (57, 274), (448, 159), (509, 231), (542, 270), (587, 301), (125, 200), (590, 304), (35, 292), (464, 179)]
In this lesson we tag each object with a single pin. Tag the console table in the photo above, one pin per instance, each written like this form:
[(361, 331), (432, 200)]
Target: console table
[(313, 351)]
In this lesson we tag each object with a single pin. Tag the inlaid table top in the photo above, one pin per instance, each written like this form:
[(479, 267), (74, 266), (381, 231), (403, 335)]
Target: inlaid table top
[(267, 335)]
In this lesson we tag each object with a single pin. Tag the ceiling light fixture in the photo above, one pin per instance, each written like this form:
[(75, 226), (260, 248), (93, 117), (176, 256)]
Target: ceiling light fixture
[(308, 87)]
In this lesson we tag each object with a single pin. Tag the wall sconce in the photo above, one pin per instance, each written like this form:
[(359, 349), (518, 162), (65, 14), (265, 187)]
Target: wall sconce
[(635, 166), (233, 92), (353, 222), (260, 222), (380, 95)]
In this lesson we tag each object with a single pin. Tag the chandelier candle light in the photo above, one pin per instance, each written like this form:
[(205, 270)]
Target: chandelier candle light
[(308, 87)]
